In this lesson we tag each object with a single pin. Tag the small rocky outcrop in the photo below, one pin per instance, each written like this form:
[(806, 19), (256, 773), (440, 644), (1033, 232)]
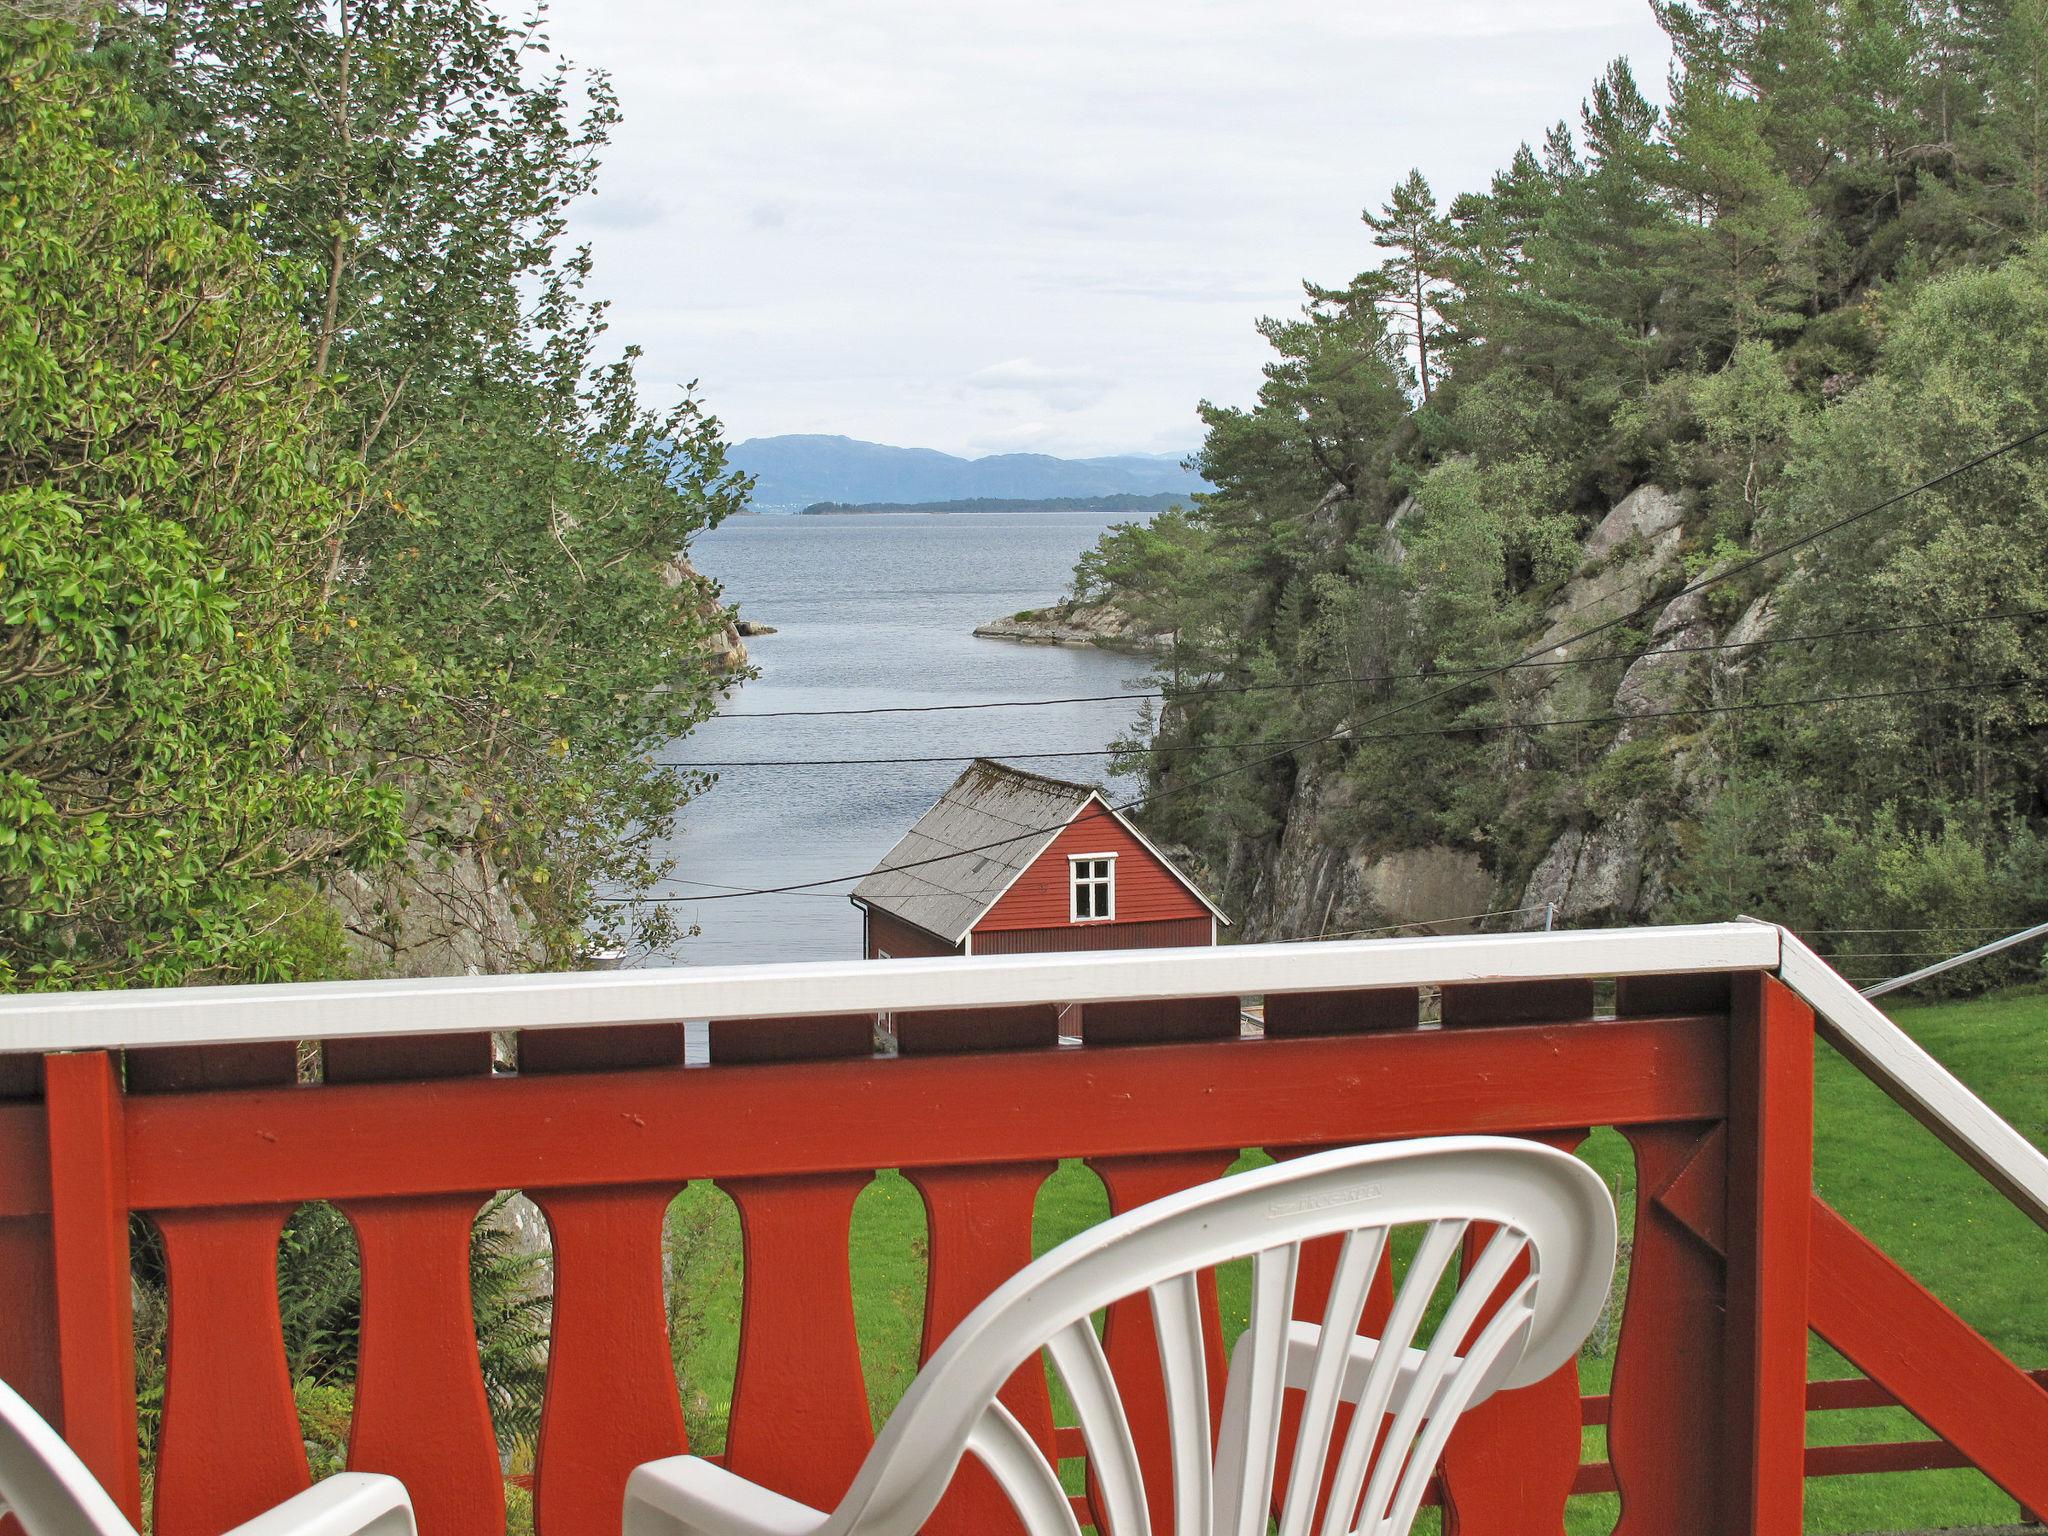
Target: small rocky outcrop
[(1647, 513), (727, 652), (1633, 548), (1603, 873), (1657, 681), (1755, 625), (1098, 624)]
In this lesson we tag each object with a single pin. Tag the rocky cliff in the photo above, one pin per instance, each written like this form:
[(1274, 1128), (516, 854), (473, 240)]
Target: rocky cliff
[(1605, 860), (728, 653)]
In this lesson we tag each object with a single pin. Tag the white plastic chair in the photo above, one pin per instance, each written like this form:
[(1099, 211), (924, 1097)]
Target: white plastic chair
[(47, 1488), (1545, 1204)]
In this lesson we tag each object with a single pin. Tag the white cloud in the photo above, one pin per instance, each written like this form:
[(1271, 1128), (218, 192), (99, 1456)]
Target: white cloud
[(1064, 389), (835, 213), (625, 209), (1013, 437)]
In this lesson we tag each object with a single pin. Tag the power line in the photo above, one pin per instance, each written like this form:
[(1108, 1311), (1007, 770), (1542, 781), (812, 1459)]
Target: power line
[(1886, 954), (1430, 922), (1952, 928), (1222, 690), (1473, 729), (1712, 579)]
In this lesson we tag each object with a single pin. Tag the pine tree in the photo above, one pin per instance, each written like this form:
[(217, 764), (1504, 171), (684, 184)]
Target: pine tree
[(1415, 279), (1747, 252), (2012, 37)]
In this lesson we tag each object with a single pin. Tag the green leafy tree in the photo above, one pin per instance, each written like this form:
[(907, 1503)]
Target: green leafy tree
[(170, 771), (1747, 412), (517, 560), (1964, 365)]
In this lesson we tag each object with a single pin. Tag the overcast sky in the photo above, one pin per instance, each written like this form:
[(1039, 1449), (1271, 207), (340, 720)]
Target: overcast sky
[(1040, 224)]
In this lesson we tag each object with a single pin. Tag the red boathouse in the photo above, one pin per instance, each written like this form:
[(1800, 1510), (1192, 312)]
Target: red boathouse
[(1013, 863)]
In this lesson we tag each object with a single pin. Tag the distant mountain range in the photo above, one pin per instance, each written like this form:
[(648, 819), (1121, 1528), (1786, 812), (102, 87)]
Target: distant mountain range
[(793, 472), (1131, 506)]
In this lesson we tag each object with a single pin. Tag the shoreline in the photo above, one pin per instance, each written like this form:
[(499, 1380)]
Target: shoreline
[(1098, 626)]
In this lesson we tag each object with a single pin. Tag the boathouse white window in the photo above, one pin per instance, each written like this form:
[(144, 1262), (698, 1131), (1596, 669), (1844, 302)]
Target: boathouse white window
[(1092, 877)]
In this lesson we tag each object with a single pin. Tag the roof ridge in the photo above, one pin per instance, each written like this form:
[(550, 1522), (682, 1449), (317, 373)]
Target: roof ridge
[(998, 766)]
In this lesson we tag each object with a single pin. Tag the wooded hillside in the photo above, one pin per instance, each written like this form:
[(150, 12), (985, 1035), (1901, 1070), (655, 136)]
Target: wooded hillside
[(1660, 343)]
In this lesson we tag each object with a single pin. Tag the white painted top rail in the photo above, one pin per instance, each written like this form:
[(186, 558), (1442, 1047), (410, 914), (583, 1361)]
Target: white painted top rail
[(1923, 1087), (332, 1010)]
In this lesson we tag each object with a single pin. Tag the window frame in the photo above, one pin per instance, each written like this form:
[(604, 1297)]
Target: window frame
[(1076, 882)]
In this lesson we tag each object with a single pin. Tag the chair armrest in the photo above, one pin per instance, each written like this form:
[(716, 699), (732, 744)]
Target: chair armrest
[(689, 1496), (346, 1504)]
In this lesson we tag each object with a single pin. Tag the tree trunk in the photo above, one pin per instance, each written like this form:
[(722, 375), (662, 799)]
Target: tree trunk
[(1421, 331), (337, 254)]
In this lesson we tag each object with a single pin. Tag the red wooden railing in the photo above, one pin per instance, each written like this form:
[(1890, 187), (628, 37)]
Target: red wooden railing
[(1709, 1076)]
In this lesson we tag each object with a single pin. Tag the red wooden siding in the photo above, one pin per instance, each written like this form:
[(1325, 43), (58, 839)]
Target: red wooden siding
[(890, 935), (1175, 933), (1146, 890)]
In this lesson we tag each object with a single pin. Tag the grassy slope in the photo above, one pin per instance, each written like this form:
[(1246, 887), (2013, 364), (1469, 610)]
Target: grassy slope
[(1873, 1163)]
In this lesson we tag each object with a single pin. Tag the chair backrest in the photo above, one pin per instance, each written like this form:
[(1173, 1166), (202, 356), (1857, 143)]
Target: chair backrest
[(1541, 1203), (44, 1484)]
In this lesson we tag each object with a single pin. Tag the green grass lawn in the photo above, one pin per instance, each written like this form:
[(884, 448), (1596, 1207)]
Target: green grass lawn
[(1873, 1163)]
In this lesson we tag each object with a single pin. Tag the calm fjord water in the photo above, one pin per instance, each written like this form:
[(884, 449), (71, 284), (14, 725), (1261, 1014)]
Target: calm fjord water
[(871, 610)]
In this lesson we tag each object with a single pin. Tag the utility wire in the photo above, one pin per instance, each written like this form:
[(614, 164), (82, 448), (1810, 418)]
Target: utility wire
[(1308, 741), (1430, 922), (1712, 579), (1962, 928), (1221, 690)]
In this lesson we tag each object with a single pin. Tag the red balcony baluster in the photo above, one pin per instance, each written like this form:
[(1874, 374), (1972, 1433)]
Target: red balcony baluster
[(611, 1400), (611, 1395), (213, 1408), (420, 1410), (980, 1224), (1512, 1460), (230, 1446), (800, 1420)]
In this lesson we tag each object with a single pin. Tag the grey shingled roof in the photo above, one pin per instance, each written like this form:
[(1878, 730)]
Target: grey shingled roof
[(988, 804)]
